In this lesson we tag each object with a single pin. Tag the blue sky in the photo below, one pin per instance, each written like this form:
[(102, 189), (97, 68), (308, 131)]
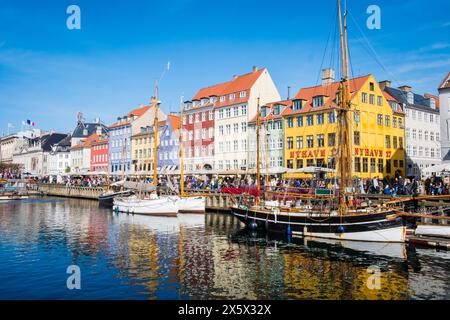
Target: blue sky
[(48, 73)]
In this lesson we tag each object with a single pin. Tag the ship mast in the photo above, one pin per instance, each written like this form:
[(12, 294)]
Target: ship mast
[(258, 160), (181, 149), (155, 145), (344, 104)]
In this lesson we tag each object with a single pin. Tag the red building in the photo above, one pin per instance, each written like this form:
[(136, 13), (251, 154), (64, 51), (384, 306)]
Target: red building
[(100, 155), (198, 125)]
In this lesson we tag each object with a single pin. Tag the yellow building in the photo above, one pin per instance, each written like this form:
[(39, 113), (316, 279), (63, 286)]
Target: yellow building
[(376, 122), (142, 149)]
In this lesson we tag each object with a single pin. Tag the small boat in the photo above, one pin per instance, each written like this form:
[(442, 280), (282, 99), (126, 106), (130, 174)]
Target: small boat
[(107, 199), (155, 206)]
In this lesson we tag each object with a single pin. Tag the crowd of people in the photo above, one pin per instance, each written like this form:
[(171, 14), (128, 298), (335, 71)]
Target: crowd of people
[(397, 186)]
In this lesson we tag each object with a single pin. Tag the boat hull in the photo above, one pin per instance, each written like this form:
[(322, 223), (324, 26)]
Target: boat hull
[(373, 227), (107, 199), (166, 207), (191, 205)]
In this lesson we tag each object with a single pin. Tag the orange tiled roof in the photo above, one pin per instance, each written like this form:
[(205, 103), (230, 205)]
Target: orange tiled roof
[(430, 96), (330, 91), (238, 84), (174, 121), (139, 111)]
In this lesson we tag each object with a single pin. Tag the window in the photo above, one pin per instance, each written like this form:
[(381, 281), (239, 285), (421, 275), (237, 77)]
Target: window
[(420, 135), (388, 142), (364, 97), (222, 98), (236, 128), (221, 114), (244, 127), (203, 116), (394, 142), (221, 130), (320, 118), (426, 135), (204, 133), (373, 167), (310, 120), (244, 145), (244, 110), (388, 166), (365, 165), (320, 141), (236, 111), (299, 163), (184, 120), (232, 96), (300, 121), (400, 142), (211, 115), (357, 164), (372, 99), (372, 86), (228, 112), (318, 101), (379, 100), (297, 105), (243, 94), (331, 139), (356, 138), (290, 164), (387, 121), (236, 145), (431, 136), (290, 122), (380, 119), (211, 132), (299, 142), (394, 122), (310, 141), (290, 143), (380, 165), (357, 117), (331, 117)]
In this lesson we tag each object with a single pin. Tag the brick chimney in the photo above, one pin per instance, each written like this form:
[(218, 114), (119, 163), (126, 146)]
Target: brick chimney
[(384, 84), (327, 76), (405, 88)]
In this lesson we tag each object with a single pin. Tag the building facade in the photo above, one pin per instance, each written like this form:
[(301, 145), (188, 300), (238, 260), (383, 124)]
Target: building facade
[(60, 160), (444, 109), (33, 155), (377, 131), (422, 128), (169, 148), (100, 155), (271, 138), (80, 155), (235, 107)]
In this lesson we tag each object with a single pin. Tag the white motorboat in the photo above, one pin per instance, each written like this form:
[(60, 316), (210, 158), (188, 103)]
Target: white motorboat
[(154, 206)]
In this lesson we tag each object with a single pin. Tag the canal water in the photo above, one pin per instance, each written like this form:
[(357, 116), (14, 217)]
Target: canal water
[(208, 256)]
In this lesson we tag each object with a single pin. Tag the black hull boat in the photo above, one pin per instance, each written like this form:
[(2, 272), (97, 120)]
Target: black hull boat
[(107, 199), (377, 226)]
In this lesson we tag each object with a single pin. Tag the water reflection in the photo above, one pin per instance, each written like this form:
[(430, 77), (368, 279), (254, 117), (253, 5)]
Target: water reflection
[(194, 257)]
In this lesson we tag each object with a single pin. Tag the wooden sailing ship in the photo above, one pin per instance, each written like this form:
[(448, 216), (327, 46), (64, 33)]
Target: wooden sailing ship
[(328, 216)]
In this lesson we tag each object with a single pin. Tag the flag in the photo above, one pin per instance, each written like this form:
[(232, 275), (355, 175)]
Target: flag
[(33, 123), (28, 122)]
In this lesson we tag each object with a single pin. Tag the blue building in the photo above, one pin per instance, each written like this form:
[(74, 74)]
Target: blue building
[(120, 146), (169, 147)]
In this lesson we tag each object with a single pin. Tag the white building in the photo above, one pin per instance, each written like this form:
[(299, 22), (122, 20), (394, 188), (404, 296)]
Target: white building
[(33, 154), (59, 157), (444, 108), (234, 108), (422, 129)]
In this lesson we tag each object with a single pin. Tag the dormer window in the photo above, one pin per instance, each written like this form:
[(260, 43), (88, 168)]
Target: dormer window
[(195, 103), (318, 101), (213, 99), (204, 101), (297, 105), (276, 110), (232, 96), (222, 99), (243, 94)]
